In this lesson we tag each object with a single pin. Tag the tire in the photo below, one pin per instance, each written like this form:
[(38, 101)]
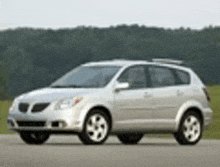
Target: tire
[(34, 137), (190, 129), (96, 128), (130, 138)]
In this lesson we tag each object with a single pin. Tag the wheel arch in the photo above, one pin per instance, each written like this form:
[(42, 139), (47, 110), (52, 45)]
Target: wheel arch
[(196, 107), (105, 110)]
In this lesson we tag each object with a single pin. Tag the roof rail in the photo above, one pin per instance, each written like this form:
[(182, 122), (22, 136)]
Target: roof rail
[(168, 61), (120, 60)]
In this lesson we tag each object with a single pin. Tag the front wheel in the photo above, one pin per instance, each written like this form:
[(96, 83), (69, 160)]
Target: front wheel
[(34, 137), (130, 138), (96, 128), (190, 130)]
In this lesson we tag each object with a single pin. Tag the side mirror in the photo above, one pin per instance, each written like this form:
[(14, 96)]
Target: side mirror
[(121, 86)]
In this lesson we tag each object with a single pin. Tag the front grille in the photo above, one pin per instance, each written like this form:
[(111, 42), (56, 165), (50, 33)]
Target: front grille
[(31, 123), (23, 107), (39, 107)]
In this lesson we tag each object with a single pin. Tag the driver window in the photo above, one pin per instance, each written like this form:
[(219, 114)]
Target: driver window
[(135, 76)]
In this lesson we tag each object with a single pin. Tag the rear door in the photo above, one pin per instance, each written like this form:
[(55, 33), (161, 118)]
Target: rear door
[(170, 89)]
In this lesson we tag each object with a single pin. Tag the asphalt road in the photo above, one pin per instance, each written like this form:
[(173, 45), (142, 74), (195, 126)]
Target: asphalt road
[(64, 151)]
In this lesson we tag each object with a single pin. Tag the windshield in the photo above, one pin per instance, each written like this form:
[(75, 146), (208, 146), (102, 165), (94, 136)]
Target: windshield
[(87, 76)]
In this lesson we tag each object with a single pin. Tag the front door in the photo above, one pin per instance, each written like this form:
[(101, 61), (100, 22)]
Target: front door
[(133, 106)]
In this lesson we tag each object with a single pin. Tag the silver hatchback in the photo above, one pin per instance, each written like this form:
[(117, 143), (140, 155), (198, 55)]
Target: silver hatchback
[(119, 97)]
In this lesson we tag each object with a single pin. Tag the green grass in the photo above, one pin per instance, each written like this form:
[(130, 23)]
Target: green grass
[(4, 106), (212, 133)]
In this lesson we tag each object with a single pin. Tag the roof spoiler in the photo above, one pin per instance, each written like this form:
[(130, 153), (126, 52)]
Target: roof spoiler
[(168, 61)]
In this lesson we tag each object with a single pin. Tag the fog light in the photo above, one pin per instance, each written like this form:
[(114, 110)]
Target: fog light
[(55, 124), (59, 124), (62, 124)]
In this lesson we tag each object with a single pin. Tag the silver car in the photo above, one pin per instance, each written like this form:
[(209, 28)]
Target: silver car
[(119, 97)]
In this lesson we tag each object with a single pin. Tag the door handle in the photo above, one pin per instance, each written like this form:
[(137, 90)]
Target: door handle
[(179, 93), (147, 94)]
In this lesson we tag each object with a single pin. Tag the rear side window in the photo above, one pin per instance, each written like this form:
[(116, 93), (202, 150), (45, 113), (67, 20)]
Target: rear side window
[(182, 77), (161, 76), (164, 76)]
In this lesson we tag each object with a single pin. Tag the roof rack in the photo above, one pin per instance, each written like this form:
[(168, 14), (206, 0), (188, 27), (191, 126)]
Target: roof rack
[(168, 61), (120, 60)]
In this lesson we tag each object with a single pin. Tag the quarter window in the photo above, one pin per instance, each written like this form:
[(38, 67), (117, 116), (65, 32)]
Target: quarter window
[(183, 77)]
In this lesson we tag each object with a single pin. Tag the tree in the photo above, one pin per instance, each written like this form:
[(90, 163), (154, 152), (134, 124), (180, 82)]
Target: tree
[(4, 77)]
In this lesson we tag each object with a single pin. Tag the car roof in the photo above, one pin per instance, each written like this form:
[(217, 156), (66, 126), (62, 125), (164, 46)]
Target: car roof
[(123, 62)]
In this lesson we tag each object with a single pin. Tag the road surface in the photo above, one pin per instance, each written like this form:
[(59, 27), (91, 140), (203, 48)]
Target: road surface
[(67, 150)]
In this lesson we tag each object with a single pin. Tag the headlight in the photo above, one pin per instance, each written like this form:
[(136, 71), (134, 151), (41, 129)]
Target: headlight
[(12, 107), (67, 103), (15, 103)]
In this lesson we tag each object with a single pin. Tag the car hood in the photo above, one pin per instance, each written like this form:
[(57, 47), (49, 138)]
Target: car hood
[(54, 94)]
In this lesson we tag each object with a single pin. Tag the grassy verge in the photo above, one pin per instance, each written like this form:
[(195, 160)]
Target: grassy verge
[(4, 106), (212, 133)]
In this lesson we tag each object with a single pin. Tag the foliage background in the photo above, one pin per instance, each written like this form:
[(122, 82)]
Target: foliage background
[(33, 58)]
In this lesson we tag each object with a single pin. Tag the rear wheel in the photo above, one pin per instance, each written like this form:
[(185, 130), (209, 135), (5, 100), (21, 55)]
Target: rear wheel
[(96, 128), (130, 138), (190, 130), (34, 137)]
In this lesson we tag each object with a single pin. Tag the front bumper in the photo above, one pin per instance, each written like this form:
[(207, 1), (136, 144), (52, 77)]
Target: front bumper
[(60, 121)]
